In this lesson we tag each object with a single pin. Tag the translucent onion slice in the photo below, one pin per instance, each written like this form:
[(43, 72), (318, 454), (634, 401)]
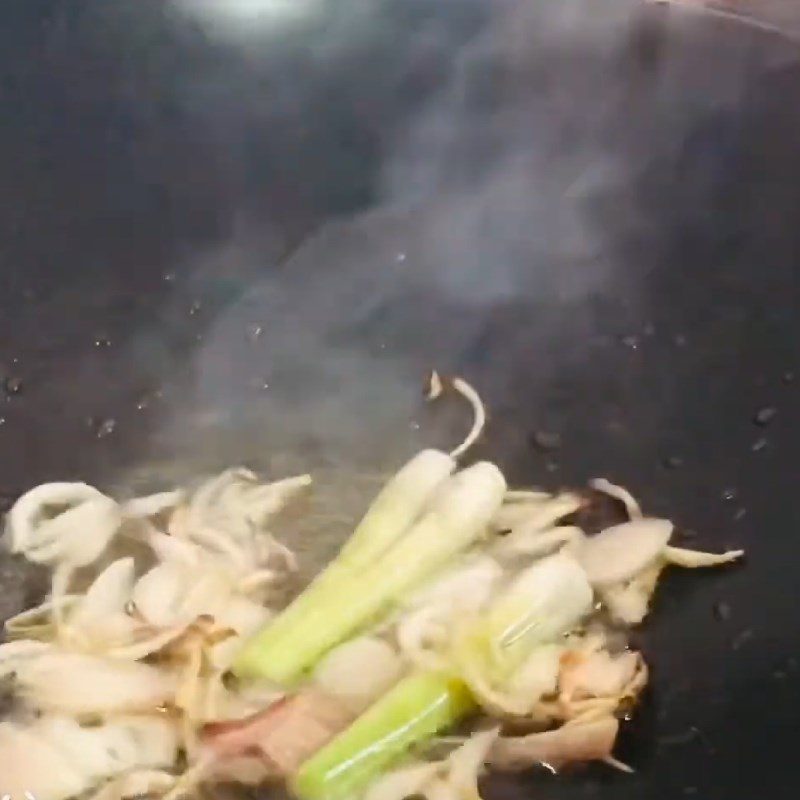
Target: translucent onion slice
[(581, 740), (620, 493), (98, 620), (359, 671), (402, 783), (14, 655), (420, 635), (236, 502), (463, 587), (538, 676), (153, 504), (38, 623), (106, 750), (160, 593), (30, 511), (30, 764), (538, 543), (619, 553), (452, 779), (467, 762), (82, 684), (629, 602), (694, 559), (140, 783), (63, 523), (597, 674), (547, 513)]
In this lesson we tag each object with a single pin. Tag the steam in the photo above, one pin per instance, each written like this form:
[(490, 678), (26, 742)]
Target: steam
[(235, 18), (502, 231)]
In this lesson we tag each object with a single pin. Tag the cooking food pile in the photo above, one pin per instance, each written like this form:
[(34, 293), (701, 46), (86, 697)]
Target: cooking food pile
[(463, 625)]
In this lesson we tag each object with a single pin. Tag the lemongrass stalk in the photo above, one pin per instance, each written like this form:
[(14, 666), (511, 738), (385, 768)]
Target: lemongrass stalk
[(544, 601), (413, 711), (457, 516), (397, 505), (542, 604)]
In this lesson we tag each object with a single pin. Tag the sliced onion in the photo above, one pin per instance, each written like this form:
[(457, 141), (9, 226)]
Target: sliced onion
[(99, 619), (29, 764), (242, 615), (512, 515), (538, 676), (83, 684), (153, 504), (235, 502), (435, 607), (467, 762), (159, 594), (245, 618), (525, 495), (463, 588), (497, 703), (141, 783), (220, 545), (37, 623), (441, 789), (538, 543), (619, 553), (359, 671), (223, 705), (402, 783), (598, 675), (545, 601), (141, 647), (208, 593), (78, 536), (618, 493), (694, 559), (578, 741), (85, 522), (173, 548), (245, 770), (419, 633), (28, 513), (108, 594), (106, 750), (629, 602), (15, 654), (546, 514), (267, 549)]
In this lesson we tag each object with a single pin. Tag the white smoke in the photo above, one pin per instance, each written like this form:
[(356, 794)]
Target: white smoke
[(503, 228)]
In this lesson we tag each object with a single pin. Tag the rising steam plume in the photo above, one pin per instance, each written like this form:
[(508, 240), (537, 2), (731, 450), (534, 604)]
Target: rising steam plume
[(502, 235)]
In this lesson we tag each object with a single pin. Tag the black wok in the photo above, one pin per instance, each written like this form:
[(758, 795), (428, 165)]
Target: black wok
[(245, 242)]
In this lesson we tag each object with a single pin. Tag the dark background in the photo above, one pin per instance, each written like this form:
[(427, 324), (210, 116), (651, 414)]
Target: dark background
[(247, 244)]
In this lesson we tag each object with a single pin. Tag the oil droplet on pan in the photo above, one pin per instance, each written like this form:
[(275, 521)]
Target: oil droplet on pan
[(545, 441), (12, 385), (106, 428), (764, 416), (254, 332), (722, 611)]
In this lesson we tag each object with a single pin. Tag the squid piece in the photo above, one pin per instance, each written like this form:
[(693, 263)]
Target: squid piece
[(576, 741), (284, 735)]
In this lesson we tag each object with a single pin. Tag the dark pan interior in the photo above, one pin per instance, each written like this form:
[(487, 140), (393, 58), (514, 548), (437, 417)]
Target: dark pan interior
[(247, 242)]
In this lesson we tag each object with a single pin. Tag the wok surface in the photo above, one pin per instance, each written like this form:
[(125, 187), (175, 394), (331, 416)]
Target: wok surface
[(216, 249)]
